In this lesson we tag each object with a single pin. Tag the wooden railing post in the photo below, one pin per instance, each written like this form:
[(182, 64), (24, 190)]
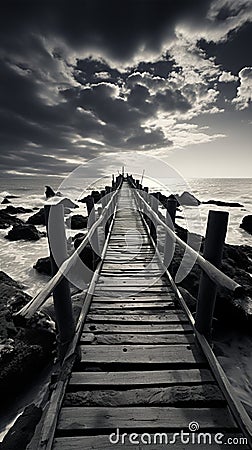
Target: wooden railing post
[(153, 231), (169, 241), (104, 200), (95, 239), (213, 248), (90, 204), (172, 207), (54, 215), (110, 214)]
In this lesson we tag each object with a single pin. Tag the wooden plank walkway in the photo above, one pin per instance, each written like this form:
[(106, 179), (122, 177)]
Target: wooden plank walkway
[(140, 369)]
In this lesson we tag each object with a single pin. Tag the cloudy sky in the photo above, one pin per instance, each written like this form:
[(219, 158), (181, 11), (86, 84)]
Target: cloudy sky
[(80, 79)]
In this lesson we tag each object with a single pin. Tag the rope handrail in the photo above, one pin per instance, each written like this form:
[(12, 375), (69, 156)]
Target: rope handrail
[(215, 274), (39, 299)]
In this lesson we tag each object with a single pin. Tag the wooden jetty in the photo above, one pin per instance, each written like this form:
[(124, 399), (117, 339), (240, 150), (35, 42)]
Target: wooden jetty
[(137, 365)]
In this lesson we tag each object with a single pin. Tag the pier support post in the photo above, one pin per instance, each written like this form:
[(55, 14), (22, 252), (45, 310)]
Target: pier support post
[(146, 189), (90, 204), (109, 219), (169, 241), (153, 231), (172, 208), (54, 215), (213, 248), (91, 221)]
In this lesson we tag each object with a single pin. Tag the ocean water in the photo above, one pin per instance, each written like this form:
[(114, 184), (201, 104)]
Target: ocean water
[(17, 258)]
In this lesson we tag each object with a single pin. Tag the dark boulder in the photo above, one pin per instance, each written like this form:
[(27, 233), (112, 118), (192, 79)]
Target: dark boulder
[(247, 224), (17, 210), (49, 192), (88, 256), (83, 200), (11, 196), (221, 203), (7, 220), (43, 265), (4, 278), (187, 199), (21, 433), (25, 231), (5, 201), (11, 300), (160, 197), (38, 218), (77, 222), (96, 196), (27, 345), (78, 236)]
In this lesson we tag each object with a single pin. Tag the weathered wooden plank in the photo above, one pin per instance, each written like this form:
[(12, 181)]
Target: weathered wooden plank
[(145, 311), (132, 306), (144, 259), (168, 317), (130, 441), (142, 280), (144, 378), (123, 328), (137, 338), (131, 274), (127, 288), (141, 273), (127, 254), (133, 299), (90, 418), (142, 354), (205, 395), (131, 266)]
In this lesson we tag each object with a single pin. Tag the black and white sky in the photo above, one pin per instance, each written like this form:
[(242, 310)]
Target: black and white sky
[(169, 78)]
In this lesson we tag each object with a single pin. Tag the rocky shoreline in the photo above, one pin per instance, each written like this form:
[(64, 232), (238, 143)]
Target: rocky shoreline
[(26, 346)]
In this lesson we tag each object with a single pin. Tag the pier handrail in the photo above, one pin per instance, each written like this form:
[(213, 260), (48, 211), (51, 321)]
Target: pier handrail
[(215, 274), (39, 299)]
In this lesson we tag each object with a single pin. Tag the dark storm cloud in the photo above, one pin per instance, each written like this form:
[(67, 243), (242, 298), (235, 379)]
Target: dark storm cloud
[(172, 100), (116, 27), (120, 119), (232, 54), (87, 69), (144, 139), (31, 115), (227, 11), (159, 68), (75, 80)]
